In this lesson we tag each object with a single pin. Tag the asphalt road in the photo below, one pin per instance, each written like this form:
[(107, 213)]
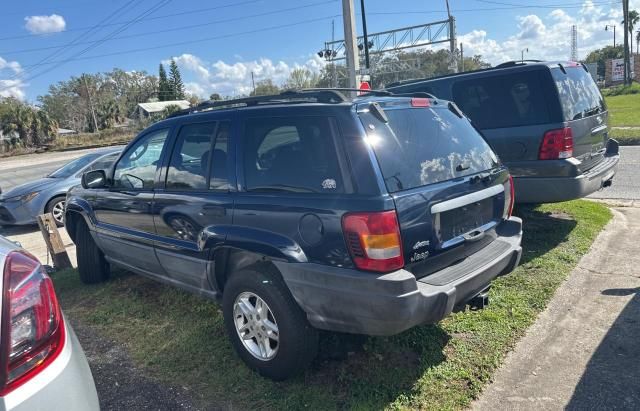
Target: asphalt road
[(19, 170), (626, 183), (22, 169)]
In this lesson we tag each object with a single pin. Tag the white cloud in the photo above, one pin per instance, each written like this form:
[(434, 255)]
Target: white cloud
[(232, 79), (10, 84), (548, 37), (45, 24)]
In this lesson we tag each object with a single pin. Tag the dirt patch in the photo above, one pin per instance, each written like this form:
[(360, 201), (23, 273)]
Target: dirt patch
[(120, 385)]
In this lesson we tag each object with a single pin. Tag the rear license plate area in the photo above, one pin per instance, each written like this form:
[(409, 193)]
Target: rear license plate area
[(456, 222)]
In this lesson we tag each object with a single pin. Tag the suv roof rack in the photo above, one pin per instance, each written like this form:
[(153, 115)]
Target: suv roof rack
[(319, 95), (516, 62)]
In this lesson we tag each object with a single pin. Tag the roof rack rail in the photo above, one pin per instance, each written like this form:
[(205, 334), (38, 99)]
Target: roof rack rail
[(418, 94), (320, 95), (516, 62)]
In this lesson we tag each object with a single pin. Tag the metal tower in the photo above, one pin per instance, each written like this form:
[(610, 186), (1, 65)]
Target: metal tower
[(574, 43)]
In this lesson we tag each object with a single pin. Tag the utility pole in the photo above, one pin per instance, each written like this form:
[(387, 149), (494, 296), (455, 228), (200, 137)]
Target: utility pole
[(627, 63), (93, 113), (606, 28), (349, 21), (522, 54), (334, 77), (253, 82), (452, 40), (461, 58), (364, 36)]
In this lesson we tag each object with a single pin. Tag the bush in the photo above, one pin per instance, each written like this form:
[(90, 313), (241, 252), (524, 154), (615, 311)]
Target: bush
[(634, 88)]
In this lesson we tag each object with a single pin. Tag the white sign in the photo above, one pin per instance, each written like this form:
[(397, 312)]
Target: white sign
[(617, 70)]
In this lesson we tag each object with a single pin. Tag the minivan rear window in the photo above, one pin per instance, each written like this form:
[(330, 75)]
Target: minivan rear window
[(505, 100), (421, 146), (579, 94)]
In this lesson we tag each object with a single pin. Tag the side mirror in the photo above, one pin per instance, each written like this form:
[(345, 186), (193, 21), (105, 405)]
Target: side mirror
[(94, 179)]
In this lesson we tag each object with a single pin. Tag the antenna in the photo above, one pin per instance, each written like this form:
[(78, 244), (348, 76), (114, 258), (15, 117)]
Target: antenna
[(574, 43)]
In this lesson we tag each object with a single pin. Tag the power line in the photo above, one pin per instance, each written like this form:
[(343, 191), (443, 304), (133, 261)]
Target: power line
[(197, 11), (475, 10), (77, 55), (201, 40), (87, 34), (180, 28)]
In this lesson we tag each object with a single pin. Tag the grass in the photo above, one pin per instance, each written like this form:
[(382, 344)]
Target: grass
[(103, 138), (624, 110), (634, 88), (179, 338)]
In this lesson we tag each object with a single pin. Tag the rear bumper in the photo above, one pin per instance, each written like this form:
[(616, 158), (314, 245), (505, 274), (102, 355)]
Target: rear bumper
[(66, 384), (358, 302), (554, 189)]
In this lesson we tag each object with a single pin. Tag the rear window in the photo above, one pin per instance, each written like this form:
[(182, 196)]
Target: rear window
[(579, 94), (421, 146), (499, 101)]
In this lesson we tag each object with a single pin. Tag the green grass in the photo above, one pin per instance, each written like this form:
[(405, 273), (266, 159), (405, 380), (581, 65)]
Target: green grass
[(622, 90), (180, 339), (624, 110)]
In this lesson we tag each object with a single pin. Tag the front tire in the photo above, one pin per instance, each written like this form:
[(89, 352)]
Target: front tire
[(266, 327), (56, 208), (92, 266)]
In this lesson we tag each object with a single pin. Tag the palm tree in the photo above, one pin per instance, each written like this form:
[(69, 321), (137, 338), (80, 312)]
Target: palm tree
[(634, 18), (109, 114), (638, 42), (48, 127)]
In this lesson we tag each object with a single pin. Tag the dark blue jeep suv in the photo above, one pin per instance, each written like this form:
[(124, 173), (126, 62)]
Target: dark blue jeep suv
[(303, 211)]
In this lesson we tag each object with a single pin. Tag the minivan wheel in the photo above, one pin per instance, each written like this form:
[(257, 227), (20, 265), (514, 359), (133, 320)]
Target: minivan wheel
[(92, 266), (267, 328)]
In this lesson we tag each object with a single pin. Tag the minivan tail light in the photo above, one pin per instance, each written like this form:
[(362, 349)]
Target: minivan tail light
[(32, 325), (509, 197), (557, 144), (374, 240)]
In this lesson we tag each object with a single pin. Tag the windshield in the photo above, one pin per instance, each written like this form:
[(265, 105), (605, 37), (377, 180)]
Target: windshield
[(579, 94), (73, 167), (421, 146)]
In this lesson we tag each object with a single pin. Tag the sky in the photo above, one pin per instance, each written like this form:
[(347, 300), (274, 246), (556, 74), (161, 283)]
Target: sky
[(218, 44)]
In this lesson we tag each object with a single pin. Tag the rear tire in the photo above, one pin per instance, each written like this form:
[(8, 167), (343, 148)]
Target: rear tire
[(56, 208), (92, 266), (296, 344)]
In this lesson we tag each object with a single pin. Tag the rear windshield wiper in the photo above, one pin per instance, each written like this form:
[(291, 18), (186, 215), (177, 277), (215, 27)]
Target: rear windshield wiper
[(591, 111), (281, 188)]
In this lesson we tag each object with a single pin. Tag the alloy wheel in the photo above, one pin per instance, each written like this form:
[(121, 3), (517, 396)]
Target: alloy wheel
[(256, 326), (58, 211)]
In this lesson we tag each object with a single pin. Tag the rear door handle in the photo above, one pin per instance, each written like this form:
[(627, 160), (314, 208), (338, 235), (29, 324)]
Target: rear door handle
[(474, 236)]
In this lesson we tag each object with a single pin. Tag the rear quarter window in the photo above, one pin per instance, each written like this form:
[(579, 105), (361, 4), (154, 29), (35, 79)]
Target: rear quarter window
[(579, 94), (421, 146), (506, 100)]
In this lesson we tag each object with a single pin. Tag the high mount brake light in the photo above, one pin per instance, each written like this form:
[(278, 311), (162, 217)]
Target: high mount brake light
[(32, 325), (373, 240), (420, 102)]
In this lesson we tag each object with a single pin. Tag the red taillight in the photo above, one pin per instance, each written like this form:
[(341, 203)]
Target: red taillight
[(557, 144), (32, 326), (420, 102), (374, 241), (509, 197)]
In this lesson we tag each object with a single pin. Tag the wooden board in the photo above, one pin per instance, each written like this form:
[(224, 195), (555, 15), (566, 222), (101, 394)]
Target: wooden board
[(54, 242)]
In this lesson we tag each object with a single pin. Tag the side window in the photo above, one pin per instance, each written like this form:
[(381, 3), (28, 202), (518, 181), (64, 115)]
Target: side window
[(503, 101), (104, 163), (219, 175), (189, 165), (294, 154), (137, 168)]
